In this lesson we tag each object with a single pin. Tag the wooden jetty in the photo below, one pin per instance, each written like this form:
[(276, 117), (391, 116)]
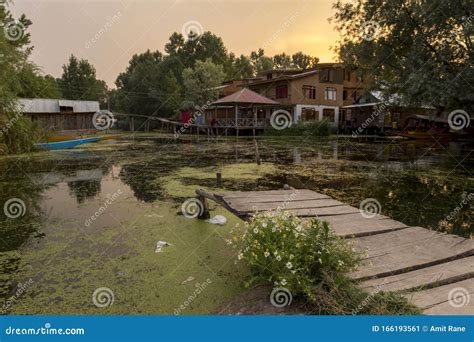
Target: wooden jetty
[(426, 266)]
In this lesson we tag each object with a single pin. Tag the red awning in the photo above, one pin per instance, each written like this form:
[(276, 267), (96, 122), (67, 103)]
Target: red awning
[(245, 96)]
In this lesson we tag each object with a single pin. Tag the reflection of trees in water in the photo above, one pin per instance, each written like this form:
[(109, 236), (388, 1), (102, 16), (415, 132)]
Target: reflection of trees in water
[(143, 179), (84, 189), (14, 232), (424, 200)]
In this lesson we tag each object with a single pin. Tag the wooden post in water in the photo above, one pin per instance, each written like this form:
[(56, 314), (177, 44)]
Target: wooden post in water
[(257, 152), (204, 214), (218, 179)]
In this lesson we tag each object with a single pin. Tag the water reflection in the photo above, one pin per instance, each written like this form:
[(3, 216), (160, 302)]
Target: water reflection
[(416, 183)]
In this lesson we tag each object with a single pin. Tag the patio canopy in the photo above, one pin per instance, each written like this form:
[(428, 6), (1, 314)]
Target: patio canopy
[(245, 96)]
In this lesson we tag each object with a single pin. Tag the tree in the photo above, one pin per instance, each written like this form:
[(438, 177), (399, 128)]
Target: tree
[(148, 86), (79, 81), (35, 85), (17, 132), (301, 61), (238, 68), (282, 61), (421, 50), (260, 62), (200, 83)]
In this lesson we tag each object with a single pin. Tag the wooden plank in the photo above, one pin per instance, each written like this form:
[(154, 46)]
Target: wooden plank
[(442, 274), (408, 249), (322, 212), (355, 225), (273, 195), (283, 205), (437, 301)]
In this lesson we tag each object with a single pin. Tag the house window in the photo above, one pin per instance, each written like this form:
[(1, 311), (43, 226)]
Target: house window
[(309, 114), (347, 75), (281, 92), (329, 115), (344, 94), (330, 94), (309, 92), (327, 75), (269, 76)]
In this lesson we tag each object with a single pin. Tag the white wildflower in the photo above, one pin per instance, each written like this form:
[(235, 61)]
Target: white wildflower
[(266, 254), (278, 258), (283, 282), (240, 256), (289, 265)]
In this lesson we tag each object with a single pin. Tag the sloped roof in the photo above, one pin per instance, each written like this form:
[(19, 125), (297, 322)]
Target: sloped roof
[(246, 96)]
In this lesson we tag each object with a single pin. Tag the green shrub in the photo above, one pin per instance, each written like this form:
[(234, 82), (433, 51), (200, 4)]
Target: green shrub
[(305, 257), (284, 250), (305, 129)]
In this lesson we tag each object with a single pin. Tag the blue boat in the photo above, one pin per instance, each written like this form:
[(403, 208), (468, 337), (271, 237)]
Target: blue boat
[(60, 145)]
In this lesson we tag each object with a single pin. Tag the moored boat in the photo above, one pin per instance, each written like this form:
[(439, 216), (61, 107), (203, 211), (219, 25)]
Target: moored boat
[(65, 144)]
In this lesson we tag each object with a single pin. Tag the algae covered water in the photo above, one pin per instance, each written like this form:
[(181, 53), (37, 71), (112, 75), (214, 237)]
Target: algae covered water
[(80, 230)]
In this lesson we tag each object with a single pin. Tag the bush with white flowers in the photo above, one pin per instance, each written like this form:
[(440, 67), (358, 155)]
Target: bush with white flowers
[(287, 251)]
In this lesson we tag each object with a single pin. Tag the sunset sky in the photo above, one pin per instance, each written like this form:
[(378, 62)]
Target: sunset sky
[(64, 27)]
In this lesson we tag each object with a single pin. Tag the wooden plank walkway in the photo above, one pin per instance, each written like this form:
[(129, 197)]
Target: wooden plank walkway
[(426, 266)]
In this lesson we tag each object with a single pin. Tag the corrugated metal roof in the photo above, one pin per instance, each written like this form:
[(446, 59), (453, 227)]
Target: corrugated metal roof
[(53, 105)]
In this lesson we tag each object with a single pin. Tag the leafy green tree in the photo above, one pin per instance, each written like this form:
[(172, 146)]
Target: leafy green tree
[(200, 82), (421, 50), (17, 133), (238, 67), (260, 62), (148, 86), (299, 60), (282, 61), (79, 81), (35, 85)]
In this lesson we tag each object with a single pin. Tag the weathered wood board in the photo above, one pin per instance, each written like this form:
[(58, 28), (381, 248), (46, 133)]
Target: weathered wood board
[(445, 273), (452, 299), (429, 264), (408, 249)]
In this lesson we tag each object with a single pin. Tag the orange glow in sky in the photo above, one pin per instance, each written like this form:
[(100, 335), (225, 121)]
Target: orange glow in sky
[(109, 32)]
